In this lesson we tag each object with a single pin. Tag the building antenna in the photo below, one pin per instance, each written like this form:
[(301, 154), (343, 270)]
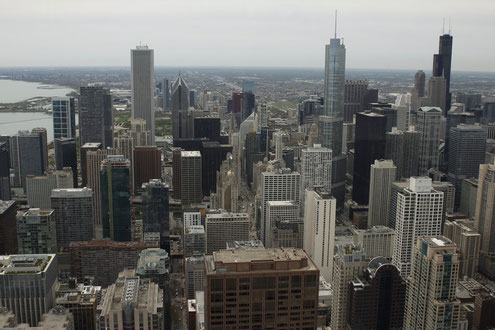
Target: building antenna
[(335, 24), (443, 26), (450, 26)]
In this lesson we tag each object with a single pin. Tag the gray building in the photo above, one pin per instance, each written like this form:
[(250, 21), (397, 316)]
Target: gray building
[(4, 171), (180, 104), (64, 117), (36, 232), (29, 283), (469, 195), (195, 275), (143, 86), (95, 116), (27, 156), (39, 188), (225, 227), (467, 147), (190, 175), (73, 215), (66, 156), (382, 174), (468, 241), (403, 149), (194, 241), (428, 125)]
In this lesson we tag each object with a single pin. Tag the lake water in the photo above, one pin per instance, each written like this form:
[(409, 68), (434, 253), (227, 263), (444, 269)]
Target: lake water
[(12, 91), (12, 122)]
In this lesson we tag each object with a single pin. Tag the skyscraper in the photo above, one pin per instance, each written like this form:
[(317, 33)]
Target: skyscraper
[(190, 177), (73, 214), (115, 198), (353, 98), (4, 171), (36, 232), (180, 104), (66, 156), (143, 86), (419, 213), (8, 227), (437, 89), (330, 122), (95, 116), (442, 65), (428, 125), (29, 285), (467, 148), (403, 149), (155, 210), (64, 117), (468, 242), (369, 146), (147, 165), (273, 276), (166, 94), (419, 84), (377, 297), (484, 220), (381, 177), (316, 169), (39, 188), (319, 229), (27, 156), (431, 301), (349, 262), (279, 185), (225, 227)]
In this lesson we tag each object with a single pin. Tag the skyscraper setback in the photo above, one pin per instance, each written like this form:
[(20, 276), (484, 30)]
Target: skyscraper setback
[(442, 64), (143, 86)]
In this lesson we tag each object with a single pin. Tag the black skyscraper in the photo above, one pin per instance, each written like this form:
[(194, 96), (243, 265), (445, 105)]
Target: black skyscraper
[(66, 155), (442, 63), (4, 172), (369, 146)]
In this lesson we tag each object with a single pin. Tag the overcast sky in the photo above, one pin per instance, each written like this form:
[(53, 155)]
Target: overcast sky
[(396, 34)]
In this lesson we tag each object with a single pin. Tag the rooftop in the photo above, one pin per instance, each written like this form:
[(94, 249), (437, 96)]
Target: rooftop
[(4, 205), (190, 154), (72, 192), (25, 263), (106, 243), (92, 145), (430, 109), (438, 241)]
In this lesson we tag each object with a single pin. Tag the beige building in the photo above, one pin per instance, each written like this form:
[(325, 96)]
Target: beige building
[(383, 173), (39, 188), (377, 241), (225, 227), (261, 289), (467, 239)]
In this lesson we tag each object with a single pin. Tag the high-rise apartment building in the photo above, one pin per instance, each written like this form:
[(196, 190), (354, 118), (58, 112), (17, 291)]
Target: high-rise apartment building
[(383, 173), (273, 288), (437, 91), (378, 241), (42, 132), (402, 147), (484, 220), (468, 242), (87, 147), (73, 213), (27, 156), (194, 241), (4, 171), (190, 177), (330, 122), (225, 227), (93, 167), (467, 148), (428, 125), (195, 274), (95, 116), (36, 232), (115, 198), (282, 211), (147, 165), (316, 168), (349, 262), (39, 188), (29, 283), (8, 227), (131, 302), (66, 156), (442, 63), (319, 229), (143, 86), (155, 211), (369, 145), (419, 213), (64, 117), (431, 301), (377, 297), (279, 185), (103, 259), (353, 98)]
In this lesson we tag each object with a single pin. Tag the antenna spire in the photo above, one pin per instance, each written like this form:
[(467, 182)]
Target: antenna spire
[(335, 24), (450, 26), (443, 26)]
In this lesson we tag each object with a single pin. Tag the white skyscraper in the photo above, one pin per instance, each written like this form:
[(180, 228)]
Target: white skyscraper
[(279, 185), (316, 168), (143, 87), (319, 229), (419, 213), (382, 174), (279, 138)]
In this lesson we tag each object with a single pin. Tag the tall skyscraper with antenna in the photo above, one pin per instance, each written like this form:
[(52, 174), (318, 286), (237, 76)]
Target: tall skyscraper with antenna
[(442, 64), (331, 121)]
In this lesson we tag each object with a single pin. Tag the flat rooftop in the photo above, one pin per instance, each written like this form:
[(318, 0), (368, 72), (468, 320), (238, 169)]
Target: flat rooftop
[(4, 205), (25, 263), (190, 154), (438, 241), (240, 260)]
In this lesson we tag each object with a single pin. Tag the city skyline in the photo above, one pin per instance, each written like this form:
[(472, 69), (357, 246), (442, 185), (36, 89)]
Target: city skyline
[(222, 34)]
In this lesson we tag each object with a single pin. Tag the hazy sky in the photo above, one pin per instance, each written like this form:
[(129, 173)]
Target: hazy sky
[(398, 34)]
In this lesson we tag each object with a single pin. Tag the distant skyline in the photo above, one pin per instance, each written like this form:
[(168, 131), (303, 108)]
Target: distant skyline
[(380, 34)]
